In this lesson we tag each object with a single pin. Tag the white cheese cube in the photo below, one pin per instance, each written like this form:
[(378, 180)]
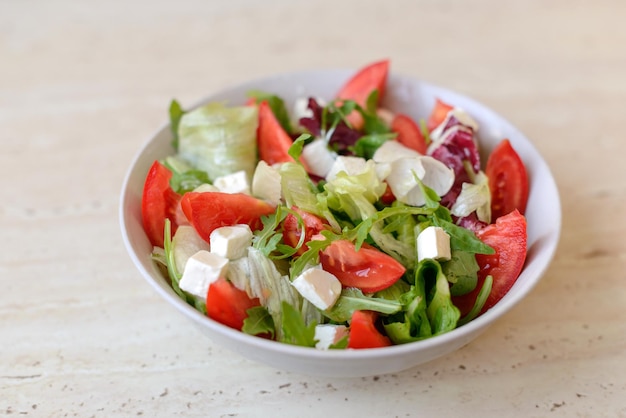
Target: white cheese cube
[(319, 287), (202, 269), (318, 157), (233, 183), (231, 242), (352, 166), (328, 334), (266, 183), (433, 242), (393, 150)]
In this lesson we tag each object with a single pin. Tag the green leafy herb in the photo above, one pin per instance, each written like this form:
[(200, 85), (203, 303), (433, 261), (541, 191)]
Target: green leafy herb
[(176, 112), (295, 150), (463, 239), (259, 321), (352, 299), (480, 301), (295, 331), (461, 270)]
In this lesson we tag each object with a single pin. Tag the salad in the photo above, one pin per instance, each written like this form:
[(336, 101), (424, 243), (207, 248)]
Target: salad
[(333, 222)]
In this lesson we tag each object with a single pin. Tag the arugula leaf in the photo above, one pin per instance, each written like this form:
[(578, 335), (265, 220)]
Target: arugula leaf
[(176, 112), (184, 177), (462, 239), (483, 294), (295, 150), (277, 105), (295, 331), (442, 313), (461, 270), (259, 321), (367, 145), (353, 299)]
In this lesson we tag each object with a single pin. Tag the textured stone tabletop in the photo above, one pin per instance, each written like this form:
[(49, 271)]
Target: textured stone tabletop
[(84, 84)]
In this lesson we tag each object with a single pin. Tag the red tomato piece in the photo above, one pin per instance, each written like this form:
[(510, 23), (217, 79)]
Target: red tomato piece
[(438, 115), (159, 202), (228, 305), (388, 197), (367, 269), (507, 236), (508, 180), (409, 133), (272, 140), (313, 225), (363, 331), (361, 85), (210, 210)]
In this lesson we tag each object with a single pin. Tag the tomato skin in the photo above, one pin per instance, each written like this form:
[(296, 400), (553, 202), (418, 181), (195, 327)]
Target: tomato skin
[(363, 332), (409, 133), (508, 237), (210, 210), (159, 202), (388, 197), (228, 305), (367, 269), (438, 114), (272, 140), (361, 85), (313, 225), (508, 180)]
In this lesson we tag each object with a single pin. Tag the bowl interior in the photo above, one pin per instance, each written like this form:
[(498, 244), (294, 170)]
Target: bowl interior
[(413, 97)]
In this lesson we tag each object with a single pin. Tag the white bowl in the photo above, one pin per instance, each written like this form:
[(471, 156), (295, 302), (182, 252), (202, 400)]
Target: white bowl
[(415, 98)]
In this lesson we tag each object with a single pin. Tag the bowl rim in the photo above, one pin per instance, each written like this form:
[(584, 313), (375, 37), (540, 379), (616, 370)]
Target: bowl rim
[(473, 327)]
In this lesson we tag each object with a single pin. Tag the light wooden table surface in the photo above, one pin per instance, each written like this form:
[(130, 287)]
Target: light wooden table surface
[(83, 85)]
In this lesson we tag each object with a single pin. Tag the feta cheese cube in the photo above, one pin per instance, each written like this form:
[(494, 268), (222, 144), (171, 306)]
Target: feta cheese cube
[(233, 183), (202, 269), (318, 157), (266, 183), (328, 334), (231, 242), (319, 287), (352, 166), (433, 242)]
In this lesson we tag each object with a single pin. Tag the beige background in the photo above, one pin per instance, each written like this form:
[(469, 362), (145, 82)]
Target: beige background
[(83, 85)]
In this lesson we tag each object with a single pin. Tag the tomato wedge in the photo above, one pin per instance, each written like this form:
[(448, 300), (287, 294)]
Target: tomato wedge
[(228, 305), (507, 236), (508, 180), (363, 331), (272, 140), (313, 225), (409, 133), (159, 202), (438, 114), (210, 210), (367, 269), (361, 85)]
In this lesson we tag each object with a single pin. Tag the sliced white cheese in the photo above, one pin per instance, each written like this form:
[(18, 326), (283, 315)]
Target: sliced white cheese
[(231, 242), (236, 182), (202, 269), (329, 334), (433, 242), (318, 157), (393, 150), (352, 166), (404, 175), (266, 183), (319, 287)]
